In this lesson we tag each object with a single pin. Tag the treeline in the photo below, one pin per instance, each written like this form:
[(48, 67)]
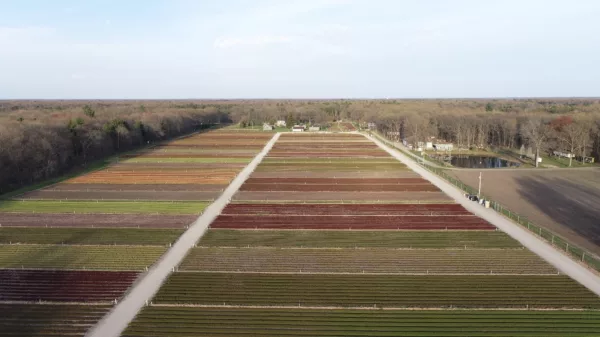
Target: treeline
[(573, 133), (40, 140)]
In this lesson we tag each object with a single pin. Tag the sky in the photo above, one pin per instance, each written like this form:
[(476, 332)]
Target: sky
[(153, 49)]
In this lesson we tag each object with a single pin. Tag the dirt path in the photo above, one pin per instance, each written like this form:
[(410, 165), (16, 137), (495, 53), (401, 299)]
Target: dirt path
[(117, 320), (527, 239)]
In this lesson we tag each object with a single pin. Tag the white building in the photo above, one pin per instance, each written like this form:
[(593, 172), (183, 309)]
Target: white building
[(281, 123), (267, 127), (314, 128), (443, 147), (298, 128)]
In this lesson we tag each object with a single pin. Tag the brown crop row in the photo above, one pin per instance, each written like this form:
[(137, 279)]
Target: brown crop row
[(125, 195), (344, 209), (96, 221), (338, 187), (338, 181)]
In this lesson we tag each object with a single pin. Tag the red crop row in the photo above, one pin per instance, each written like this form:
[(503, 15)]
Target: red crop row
[(352, 222), (345, 209), (63, 286)]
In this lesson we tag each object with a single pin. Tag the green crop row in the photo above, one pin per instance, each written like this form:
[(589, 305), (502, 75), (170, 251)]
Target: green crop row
[(185, 321), (395, 291), (104, 207), (33, 320), (349, 239), (89, 236), (372, 260), (79, 257)]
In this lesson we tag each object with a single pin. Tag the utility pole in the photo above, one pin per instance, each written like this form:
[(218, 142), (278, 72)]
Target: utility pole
[(479, 190)]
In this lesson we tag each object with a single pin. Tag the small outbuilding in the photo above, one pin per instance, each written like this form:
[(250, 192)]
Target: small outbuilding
[(314, 128), (267, 127), (298, 128), (281, 123), (443, 147)]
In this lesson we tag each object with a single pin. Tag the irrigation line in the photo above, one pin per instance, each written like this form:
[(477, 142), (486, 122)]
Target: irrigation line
[(117, 320)]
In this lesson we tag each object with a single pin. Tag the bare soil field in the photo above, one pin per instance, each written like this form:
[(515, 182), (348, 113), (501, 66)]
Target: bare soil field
[(566, 202), (344, 196), (95, 220)]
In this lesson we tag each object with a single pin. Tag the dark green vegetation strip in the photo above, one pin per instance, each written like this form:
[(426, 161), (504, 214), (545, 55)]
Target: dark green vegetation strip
[(174, 321), (89, 236), (348, 239), (371, 260), (79, 257), (420, 291), (104, 207), (33, 320)]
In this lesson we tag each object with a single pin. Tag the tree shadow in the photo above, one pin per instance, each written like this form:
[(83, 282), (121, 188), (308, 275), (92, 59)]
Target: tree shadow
[(572, 205)]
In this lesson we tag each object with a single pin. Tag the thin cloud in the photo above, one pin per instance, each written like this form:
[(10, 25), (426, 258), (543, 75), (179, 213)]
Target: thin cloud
[(260, 40)]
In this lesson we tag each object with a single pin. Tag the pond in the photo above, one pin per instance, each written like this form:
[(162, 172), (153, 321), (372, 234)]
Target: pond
[(481, 162)]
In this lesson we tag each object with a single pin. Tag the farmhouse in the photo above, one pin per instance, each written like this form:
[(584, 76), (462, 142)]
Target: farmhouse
[(314, 128), (281, 123), (267, 127), (298, 128)]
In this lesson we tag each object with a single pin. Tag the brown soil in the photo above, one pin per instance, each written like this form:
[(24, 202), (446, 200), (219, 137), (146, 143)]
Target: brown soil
[(563, 201)]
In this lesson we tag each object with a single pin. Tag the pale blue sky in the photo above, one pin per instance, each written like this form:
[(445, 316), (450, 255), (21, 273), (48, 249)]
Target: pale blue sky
[(299, 49)]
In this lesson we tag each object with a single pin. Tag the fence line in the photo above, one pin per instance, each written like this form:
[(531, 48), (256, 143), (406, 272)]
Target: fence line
[(577, 253)]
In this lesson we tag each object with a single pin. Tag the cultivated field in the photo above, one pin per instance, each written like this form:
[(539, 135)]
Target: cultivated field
[(163, 321), (564, 201), (87, 239), (328, 229)]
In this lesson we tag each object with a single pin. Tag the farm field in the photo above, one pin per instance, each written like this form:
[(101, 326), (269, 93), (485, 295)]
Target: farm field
[(384, 291), (564, 201), (87, 239), (372, 260), (329, 228), (163, 321), (40, 320), (89, 236), (356, 239), (104, 257)]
